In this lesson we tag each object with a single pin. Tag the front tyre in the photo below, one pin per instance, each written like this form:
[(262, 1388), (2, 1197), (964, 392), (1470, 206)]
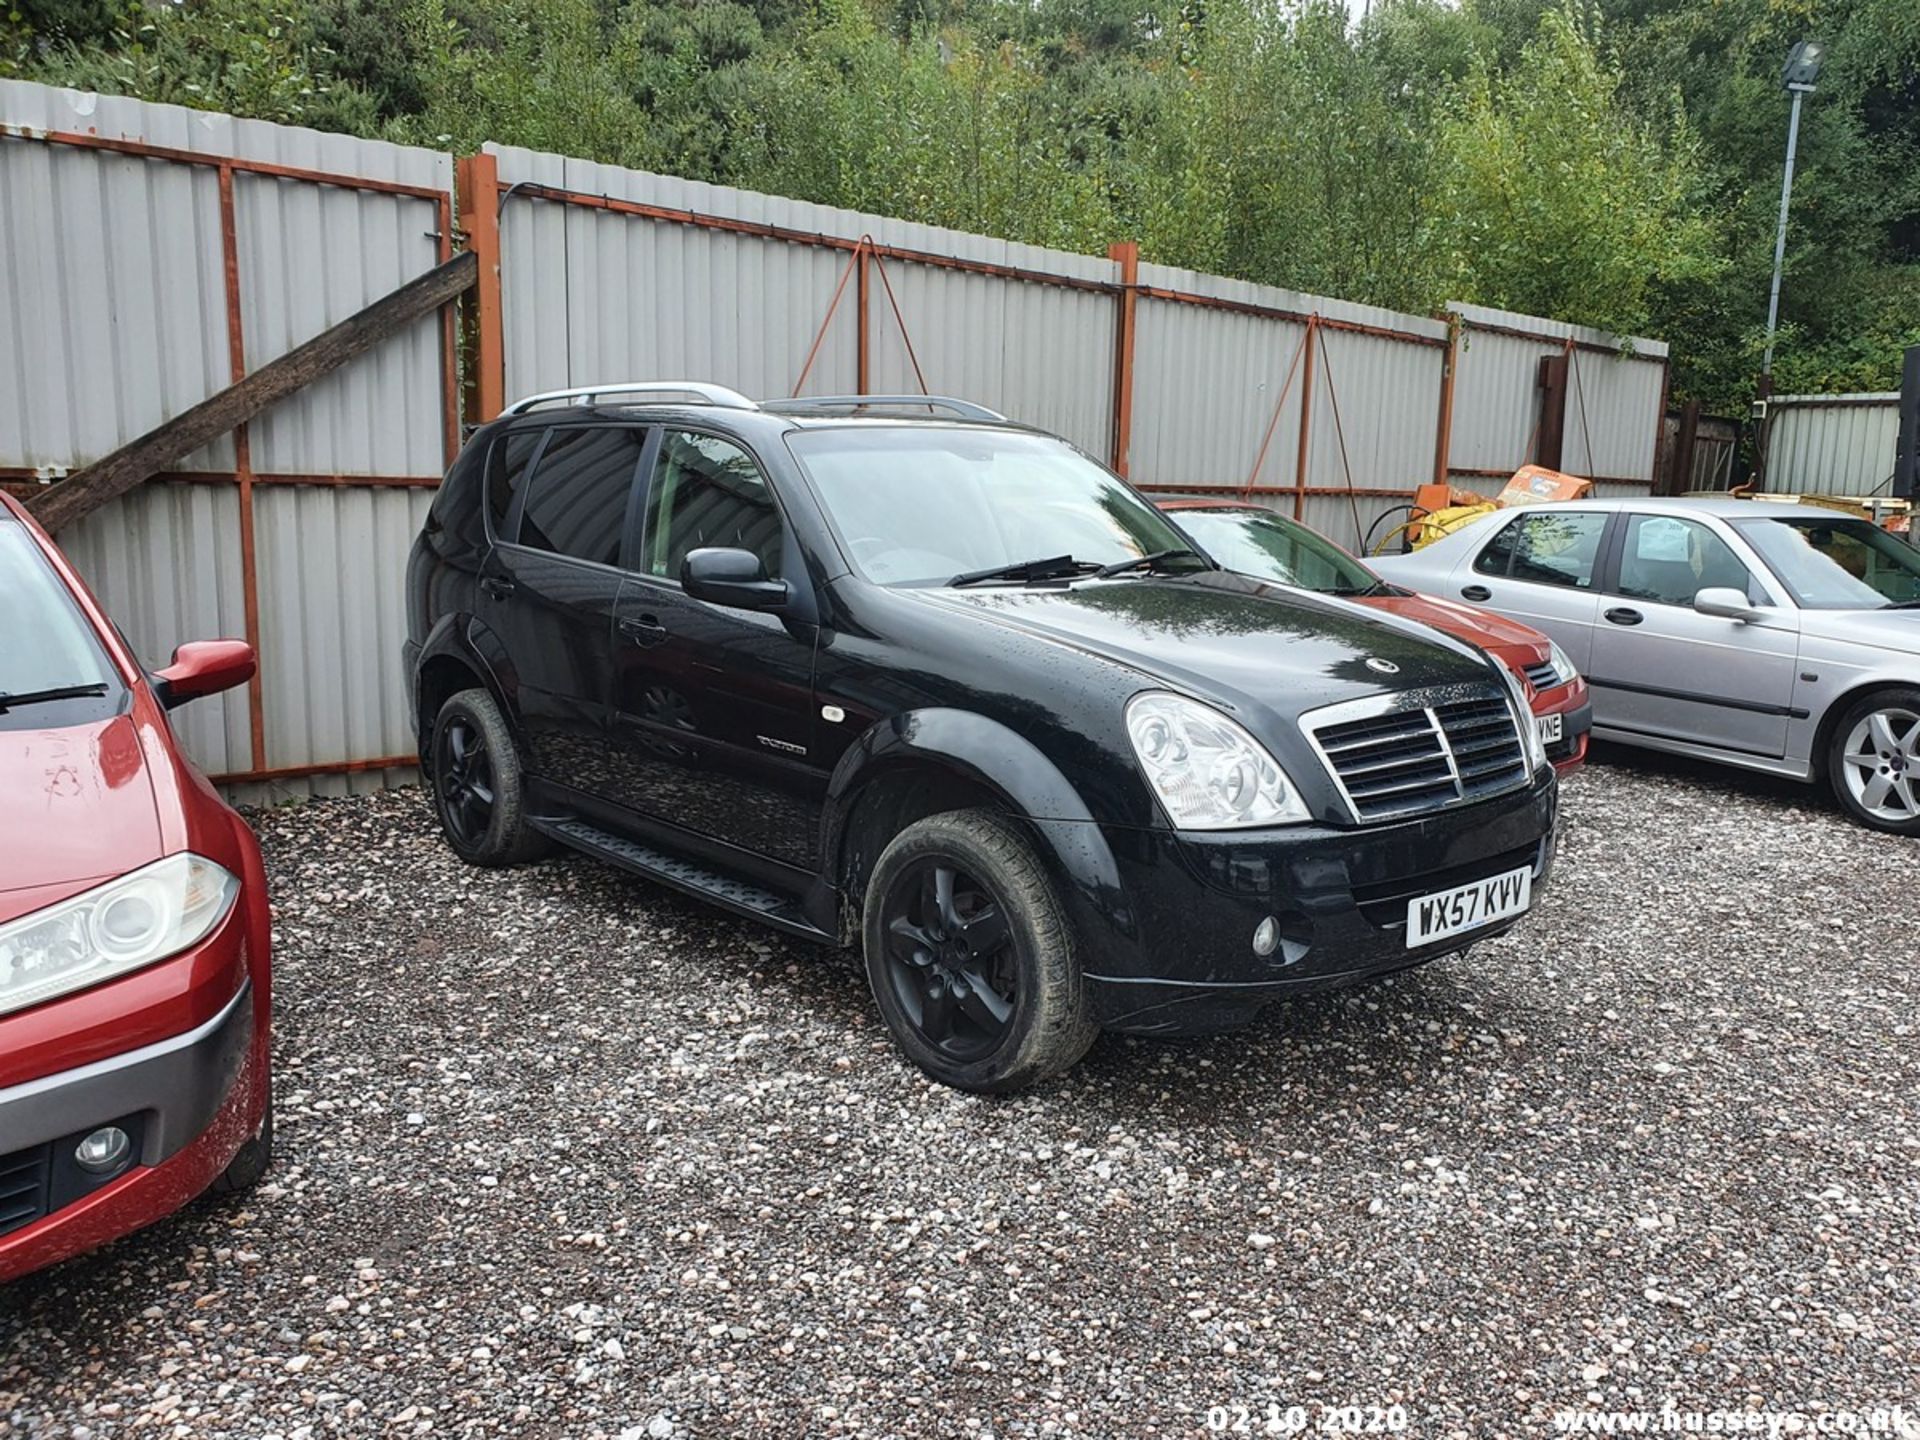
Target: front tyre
[(251, 1161), (479, 787), (970, 955), (1873, 761)]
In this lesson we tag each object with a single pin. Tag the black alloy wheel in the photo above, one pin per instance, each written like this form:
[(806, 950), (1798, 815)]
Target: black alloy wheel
[(973, 960), (463, 778), (479, 788), (950, 958)]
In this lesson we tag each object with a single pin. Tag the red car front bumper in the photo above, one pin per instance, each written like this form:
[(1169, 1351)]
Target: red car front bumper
[(1575, 709), (188, 1101)]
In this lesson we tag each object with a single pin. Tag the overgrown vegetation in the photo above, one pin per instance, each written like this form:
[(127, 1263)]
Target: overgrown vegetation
[(1615, 163)]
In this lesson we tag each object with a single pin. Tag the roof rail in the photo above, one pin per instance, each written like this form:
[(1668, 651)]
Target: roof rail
[(700, 390), (850, 404)]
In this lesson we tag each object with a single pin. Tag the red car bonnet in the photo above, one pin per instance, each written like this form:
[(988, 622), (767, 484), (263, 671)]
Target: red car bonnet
[(80, 810), (1507, 640)]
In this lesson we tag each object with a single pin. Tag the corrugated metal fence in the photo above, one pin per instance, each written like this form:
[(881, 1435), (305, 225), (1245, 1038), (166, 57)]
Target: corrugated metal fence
[(153, 254), (1613, 399), (163, 250), (1831, 444)]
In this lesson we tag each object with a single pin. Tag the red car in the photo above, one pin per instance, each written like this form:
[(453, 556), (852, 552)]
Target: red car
[(1257, 542), (134, 989)]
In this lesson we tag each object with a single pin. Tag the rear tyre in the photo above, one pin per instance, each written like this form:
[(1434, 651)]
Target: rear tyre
[(251, 1161), (970, 955), (479, 785), (1873, 761)]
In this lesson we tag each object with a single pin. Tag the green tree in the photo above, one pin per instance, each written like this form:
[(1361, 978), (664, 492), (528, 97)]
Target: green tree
[(1560, 202), (1616, 164), (259, 58)]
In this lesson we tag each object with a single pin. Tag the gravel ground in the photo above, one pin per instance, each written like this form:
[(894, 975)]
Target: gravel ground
[(565, 1155)]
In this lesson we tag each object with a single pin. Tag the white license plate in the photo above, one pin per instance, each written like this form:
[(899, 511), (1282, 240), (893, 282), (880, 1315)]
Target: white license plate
[(1553, 728), (1467, 907)]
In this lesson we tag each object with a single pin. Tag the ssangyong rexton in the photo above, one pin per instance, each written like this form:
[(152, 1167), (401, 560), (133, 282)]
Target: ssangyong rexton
[(921, 680)]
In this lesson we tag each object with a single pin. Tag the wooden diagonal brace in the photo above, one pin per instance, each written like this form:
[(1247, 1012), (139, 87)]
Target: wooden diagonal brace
[(140, 460)]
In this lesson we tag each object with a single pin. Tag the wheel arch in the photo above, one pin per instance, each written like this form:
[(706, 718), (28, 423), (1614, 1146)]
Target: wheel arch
[(1829, 724), (925, 762), (453, 658)]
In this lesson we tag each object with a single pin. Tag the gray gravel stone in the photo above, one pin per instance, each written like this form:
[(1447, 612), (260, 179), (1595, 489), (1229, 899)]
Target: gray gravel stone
[(563, 1154)]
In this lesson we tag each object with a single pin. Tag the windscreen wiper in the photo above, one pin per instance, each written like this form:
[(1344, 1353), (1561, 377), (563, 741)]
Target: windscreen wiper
[(1901, 605), (1056, 567), (1150, 562), (58, 692), (1367, 593)]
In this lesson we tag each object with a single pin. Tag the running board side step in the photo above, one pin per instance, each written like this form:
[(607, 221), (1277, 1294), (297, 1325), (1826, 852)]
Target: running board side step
[(742, 897)]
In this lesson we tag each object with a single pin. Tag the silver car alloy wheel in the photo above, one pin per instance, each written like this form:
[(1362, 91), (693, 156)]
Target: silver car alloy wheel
[(1882, 762)]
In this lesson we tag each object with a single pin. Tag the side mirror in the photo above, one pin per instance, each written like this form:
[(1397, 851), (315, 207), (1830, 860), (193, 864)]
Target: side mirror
[(725, 576), (1725, 602), (204, 667)]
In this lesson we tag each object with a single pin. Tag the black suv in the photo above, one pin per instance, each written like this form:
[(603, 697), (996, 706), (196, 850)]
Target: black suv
[(903, 674)]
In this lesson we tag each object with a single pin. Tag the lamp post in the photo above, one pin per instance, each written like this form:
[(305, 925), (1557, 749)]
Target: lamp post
[(1803, 68)]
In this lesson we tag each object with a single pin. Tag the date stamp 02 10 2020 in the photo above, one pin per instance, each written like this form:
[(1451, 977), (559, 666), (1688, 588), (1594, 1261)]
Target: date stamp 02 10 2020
[(1276, 1419)]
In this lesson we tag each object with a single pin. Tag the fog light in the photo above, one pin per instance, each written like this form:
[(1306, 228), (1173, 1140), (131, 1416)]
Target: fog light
[(104, 1152), (1266, 936)]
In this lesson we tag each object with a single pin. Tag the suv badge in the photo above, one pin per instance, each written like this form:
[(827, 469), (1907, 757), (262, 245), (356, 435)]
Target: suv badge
[(1384, 667)]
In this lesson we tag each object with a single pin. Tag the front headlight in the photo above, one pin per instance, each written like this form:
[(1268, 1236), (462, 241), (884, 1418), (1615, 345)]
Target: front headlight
[(1562, 666), (1207, 771), (1523, 717), (156, 911)]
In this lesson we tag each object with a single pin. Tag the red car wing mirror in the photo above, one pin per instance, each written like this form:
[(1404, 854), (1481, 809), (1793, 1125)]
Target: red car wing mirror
[(204, 667)]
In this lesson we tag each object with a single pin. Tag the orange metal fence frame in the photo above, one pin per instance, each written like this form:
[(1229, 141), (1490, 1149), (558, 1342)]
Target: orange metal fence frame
[(243, 475), (1125, 254)]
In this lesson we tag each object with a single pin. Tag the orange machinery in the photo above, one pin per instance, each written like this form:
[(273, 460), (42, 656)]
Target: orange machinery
[(1441, 509)]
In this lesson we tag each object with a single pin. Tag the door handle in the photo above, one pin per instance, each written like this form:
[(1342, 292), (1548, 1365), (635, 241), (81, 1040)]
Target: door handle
[(1621, 615), (644, 629), (497, 586), (1477, 592)]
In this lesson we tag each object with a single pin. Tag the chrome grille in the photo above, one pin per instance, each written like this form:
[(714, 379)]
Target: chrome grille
[(1544, 676), (1405, 755)]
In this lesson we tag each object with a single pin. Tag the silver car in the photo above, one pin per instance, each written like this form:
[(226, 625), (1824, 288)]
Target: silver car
[(1775, 637)]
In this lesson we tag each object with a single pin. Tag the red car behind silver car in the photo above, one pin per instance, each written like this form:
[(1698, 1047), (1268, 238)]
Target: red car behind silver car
[(134, 965)]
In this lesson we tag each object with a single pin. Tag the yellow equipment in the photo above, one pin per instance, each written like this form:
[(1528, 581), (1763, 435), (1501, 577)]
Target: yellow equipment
[(1442, 509)]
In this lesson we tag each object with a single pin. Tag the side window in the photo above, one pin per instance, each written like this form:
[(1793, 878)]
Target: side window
[(1668, 560), (1547, 546), (507, 474), (1497, 557), (577, 502), (708, 491)]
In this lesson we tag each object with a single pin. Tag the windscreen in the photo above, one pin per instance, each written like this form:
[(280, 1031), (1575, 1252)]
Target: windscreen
[(46, 643), (1838, 564), (1261, 544), (921, 504)]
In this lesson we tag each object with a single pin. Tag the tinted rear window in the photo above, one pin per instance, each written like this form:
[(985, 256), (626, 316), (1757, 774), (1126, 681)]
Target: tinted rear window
[(577, 503), (507, 474)]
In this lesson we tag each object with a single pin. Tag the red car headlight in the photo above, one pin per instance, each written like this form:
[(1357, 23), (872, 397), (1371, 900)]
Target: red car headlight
[(112, 929)]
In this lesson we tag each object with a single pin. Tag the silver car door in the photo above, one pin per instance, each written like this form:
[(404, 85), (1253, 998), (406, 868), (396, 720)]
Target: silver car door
[(1661, 668), (1540, 567)]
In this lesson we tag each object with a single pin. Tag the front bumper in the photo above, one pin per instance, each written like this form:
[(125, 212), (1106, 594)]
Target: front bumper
[(1576, 711), (187, 1103), (1173, 952)]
